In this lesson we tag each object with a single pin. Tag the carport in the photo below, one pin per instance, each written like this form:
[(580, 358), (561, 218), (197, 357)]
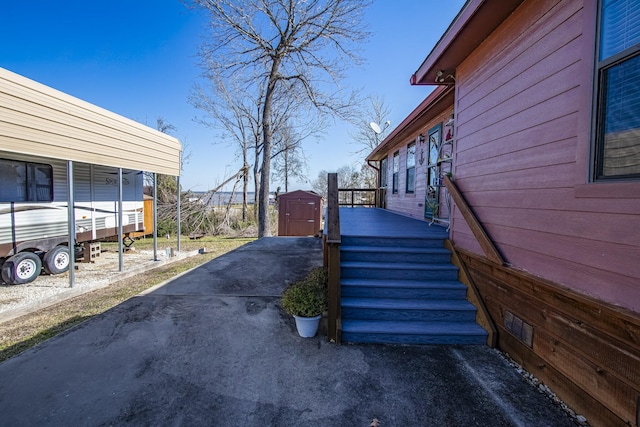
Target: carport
[(37, 121)]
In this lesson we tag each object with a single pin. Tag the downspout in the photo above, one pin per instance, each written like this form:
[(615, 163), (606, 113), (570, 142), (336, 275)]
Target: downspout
[(378, 192), (375, 168)]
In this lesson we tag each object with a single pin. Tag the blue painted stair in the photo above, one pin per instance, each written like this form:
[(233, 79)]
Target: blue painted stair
[(404, 290)]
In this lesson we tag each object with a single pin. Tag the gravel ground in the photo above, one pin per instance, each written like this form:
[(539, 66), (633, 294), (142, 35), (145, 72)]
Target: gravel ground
[(17, 300)]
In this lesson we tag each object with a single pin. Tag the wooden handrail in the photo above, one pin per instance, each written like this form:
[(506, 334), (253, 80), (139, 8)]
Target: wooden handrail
[(332, 259), (489, 249)]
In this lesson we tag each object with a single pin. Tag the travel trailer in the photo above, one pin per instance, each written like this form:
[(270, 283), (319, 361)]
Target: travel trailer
[(34, 209)]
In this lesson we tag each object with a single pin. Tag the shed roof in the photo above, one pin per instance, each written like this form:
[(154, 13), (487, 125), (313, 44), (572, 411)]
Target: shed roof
[(299, 193), (38, 120), (473, 24)]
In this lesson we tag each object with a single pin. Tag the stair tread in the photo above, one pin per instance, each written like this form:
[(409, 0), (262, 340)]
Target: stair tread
[(404, 327), (402, 283), (407, 304), (411, 249), (433, 234), (397, 265)]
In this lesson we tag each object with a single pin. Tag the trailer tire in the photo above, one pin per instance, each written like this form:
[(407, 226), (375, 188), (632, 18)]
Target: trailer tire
[(21, 268), (56, 260)]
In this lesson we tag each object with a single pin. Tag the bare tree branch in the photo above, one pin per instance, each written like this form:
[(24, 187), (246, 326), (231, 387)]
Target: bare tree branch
[(273, 43)]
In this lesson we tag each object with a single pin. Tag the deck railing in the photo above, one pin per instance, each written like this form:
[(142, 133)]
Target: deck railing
[(332, 241), (362, 197), (366, 197)]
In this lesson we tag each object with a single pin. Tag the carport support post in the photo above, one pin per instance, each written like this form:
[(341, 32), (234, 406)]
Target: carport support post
[(120, 245), (155, 216), (71, 217), (178, 225)]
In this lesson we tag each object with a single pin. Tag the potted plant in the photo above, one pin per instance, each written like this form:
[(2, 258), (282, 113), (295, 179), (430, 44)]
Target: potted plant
[(306, 300)]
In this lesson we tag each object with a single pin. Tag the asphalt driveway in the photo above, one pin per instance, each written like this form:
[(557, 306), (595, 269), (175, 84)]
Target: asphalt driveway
[(213, 348)]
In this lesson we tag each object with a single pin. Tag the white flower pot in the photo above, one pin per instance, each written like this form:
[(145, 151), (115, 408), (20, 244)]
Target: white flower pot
[(307, 326)]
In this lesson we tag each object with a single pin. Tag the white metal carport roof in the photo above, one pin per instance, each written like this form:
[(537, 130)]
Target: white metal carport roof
[(38, 120)]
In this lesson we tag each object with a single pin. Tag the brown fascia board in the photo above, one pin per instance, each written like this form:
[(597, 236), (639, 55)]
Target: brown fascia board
[(440, 99), (474, 23)]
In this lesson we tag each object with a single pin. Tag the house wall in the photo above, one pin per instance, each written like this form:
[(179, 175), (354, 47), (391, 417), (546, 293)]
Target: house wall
[(522, 107), (412, 204), (567, 305)]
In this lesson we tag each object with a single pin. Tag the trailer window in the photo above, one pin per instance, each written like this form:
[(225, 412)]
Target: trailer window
[(25, 181)]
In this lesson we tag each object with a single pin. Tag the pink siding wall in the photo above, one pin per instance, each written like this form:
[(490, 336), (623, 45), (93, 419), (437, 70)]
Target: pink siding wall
[(523, 109), (412, 204)]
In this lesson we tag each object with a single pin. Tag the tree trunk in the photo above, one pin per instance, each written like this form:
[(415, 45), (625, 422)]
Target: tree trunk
[(256, 186), (264, 228), (286, 171), (245, 188)]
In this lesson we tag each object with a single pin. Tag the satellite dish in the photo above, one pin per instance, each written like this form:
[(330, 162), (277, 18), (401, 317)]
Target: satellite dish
[(375, 127)]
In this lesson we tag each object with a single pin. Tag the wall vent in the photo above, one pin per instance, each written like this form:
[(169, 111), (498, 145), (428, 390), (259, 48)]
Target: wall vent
[(523, 331)]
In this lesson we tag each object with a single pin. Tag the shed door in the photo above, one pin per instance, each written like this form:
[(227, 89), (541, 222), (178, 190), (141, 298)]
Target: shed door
[(300, 219)]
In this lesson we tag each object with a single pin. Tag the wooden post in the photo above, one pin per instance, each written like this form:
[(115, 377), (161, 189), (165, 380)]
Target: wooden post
[(332, 242)]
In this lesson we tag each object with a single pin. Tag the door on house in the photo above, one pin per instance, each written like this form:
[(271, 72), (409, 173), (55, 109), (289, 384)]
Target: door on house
[(432, 195), (300, 218)]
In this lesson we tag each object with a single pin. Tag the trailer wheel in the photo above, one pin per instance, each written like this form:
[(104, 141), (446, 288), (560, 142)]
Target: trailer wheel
[(21, 268), (56, 260)]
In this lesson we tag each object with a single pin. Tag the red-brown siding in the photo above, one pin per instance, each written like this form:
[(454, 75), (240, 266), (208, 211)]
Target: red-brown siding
[(519, 151)]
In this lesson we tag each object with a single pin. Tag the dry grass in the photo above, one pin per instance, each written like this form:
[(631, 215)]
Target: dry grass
[(20, 334)]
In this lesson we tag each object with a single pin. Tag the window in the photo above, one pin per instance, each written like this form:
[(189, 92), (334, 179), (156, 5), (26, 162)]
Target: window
[(617, 135), (383, 173), (25, 182), (411, 168), (396, 169)]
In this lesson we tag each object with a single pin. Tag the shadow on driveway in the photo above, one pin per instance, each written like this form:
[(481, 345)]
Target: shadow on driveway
[(212, 347)]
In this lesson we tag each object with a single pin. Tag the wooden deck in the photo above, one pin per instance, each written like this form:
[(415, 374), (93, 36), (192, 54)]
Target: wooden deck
[(383, 223)]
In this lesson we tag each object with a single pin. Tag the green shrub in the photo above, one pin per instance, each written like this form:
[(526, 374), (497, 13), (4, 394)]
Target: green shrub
[(307, 297)]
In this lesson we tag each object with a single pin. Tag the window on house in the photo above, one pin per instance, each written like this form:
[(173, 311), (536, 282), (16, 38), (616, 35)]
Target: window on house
[(617, 136), (25, 182), (411, 168), (383, 173), (396, 169)]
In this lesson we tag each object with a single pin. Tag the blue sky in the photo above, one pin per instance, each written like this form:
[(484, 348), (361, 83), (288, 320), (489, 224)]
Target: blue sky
[(138, 59)]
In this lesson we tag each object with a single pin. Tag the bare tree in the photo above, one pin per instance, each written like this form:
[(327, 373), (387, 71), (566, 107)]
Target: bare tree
[(234, 111), (283, 44), (166, 185), (375, 110), (289, 161), (348, 177)]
